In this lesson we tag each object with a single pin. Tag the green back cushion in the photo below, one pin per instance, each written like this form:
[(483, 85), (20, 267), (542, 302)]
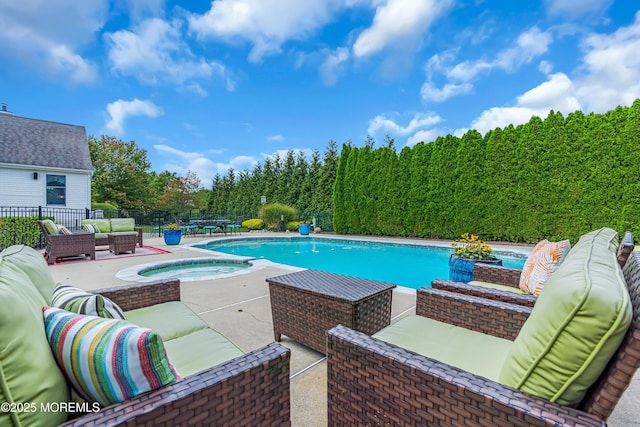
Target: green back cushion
[(575, 327), (103, 224), (32, 263), (122, 224), (28, 371), (50, 226)]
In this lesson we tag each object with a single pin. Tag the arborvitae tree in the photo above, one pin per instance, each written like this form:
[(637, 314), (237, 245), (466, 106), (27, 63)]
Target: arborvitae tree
[(323, 192), (340, 196), (442, 178), (470, 194), (417, 215)]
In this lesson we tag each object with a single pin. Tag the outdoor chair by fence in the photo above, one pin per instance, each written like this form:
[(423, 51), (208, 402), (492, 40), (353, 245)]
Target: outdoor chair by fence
[(65, 245), (502, 283), (464, 360)]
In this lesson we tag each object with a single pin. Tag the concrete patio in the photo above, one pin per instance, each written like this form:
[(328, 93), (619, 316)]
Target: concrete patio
[(226, 303)]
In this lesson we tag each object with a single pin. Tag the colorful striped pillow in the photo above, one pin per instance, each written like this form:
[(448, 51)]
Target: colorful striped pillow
[(107, 360), (545, 258), (81, 302)]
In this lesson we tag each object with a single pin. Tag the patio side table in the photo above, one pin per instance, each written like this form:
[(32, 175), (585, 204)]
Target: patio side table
[(307, 303), (122, 242)]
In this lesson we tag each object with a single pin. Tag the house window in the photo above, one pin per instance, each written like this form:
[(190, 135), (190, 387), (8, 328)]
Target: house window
[(56, 189)]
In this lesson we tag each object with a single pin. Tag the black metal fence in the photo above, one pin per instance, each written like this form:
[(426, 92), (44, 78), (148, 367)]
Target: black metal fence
[(18, 224)]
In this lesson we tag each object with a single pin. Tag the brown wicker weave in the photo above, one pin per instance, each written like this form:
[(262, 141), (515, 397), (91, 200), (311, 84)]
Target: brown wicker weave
[(122, 242), (371, 382), (305, 304), (250, 390), (511, 277), (66, 245), (103, 241)]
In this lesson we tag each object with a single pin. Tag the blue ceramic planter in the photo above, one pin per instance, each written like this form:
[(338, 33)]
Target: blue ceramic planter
[(304, 229), (461, 269), (172, 237)]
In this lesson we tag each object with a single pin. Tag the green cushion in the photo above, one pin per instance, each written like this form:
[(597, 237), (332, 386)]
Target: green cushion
[(170, 319), (463, 348), (200, 350), (497, 286), (28, 371), (605, 236), (122, 224), (101, 235), (575, 327), (32, 263), (50, 226), (103, 224)]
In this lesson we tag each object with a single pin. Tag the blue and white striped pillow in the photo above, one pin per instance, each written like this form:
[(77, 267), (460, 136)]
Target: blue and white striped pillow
[(78, 301), (107, 360)]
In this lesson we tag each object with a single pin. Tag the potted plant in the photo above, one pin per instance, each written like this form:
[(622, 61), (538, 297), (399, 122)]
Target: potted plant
[(304, 228), (468, 250), (172, 234)]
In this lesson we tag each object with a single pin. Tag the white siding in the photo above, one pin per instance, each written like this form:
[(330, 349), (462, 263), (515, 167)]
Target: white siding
[(18, 188)]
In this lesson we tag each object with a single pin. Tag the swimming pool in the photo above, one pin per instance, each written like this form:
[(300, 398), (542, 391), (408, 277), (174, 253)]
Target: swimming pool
[(407, 265), (187, 270)]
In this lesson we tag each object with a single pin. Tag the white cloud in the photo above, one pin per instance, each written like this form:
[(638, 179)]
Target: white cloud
[(120, 110), (557, 94), (571, 9), (332, 65), (275, 138), (529, 45), (266, 24), (205, 168), (610, 72), (154, 52), (415, 129), (49, 37), (396, 22)]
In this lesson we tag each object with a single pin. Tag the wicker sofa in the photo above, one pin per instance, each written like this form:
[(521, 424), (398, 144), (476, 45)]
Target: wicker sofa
[(502, 283), (372, 381), (66, 245), (220, 385), (114, 225)]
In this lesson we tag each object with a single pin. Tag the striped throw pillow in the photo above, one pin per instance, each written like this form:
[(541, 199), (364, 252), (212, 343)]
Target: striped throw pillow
[(107, 360), (91, 228), (545, 258), (81, 302), (62, 229)]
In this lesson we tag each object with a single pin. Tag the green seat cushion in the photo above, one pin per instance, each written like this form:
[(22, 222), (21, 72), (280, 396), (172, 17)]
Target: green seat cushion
[(32, 263), (170, 319), (103, 224), (50, 226), (28, 372), (101, 235), (575, 326), (472, 351), (200, 350), (122, 224), (497, 286)]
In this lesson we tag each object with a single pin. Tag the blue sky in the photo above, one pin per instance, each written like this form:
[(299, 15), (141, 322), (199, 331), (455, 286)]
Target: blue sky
[(208, 85)]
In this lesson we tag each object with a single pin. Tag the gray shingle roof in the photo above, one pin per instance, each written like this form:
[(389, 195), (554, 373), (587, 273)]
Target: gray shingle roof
[(34, 142)]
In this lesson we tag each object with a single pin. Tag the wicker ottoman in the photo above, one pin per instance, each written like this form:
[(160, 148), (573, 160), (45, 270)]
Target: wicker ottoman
[(305, 304), (122, 242)]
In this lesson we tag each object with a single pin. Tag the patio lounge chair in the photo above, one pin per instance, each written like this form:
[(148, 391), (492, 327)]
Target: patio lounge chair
[(501, 283), (374, 382), (66, 245)]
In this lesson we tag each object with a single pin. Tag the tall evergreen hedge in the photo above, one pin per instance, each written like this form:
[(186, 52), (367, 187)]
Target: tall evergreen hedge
[(555, 178)]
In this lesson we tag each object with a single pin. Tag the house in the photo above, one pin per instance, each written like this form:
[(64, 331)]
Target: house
[(43, 163)]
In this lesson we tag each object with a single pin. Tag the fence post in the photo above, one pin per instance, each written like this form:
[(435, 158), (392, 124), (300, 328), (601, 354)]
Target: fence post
[(119, 213)]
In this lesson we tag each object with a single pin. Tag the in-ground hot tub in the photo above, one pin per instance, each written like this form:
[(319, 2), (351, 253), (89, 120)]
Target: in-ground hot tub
[(187, 270)]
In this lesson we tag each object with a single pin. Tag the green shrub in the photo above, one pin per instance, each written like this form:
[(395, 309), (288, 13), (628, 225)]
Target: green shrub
[(293, 225), (20, 230), (277, 215), (103, 206), (253, 224)]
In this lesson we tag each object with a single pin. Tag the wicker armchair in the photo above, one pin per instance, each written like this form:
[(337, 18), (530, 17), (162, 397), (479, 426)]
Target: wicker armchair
[(371, 382), (65, 245), (511, 277), (250, 390)]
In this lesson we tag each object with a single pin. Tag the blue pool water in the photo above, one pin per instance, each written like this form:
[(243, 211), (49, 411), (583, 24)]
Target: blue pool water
[(412, 266)]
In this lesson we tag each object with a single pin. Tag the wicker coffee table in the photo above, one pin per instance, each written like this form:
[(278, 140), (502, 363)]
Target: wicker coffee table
[(307, 303), (122, 242)]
